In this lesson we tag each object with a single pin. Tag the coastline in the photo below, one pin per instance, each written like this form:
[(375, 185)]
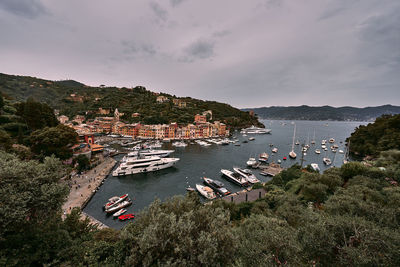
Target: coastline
[(84, 186)]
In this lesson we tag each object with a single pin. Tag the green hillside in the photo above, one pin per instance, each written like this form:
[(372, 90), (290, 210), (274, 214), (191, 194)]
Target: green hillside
[(73, 98)]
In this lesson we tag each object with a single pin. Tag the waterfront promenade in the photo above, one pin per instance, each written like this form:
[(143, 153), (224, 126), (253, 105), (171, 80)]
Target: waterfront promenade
[(84, 186)]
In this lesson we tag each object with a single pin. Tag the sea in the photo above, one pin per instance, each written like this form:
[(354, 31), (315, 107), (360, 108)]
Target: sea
[(197, 162)]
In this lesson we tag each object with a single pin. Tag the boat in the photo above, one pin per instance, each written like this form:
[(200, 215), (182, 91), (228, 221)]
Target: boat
[(297, 143), (255, 130), (179, 144), (206, 191), (217, 186), (143, 165), (251, 162), (114, 201), (263, 157), (315, 166), (121, 205), (244, 135), (317, 151), (292, 154), (118, 213), (245, 141), (327, 161), (251, 138), (284, 158), (323, 142), (313, 140), (275, 150), (235, 177), (279, 161), (237, 144), (190, 189), (147, 153), (341, 151), (247, 174), (126, 217), (331, 140)]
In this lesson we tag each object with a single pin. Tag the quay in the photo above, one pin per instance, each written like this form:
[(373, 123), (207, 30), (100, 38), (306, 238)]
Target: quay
[(84, 186), (245, 196)]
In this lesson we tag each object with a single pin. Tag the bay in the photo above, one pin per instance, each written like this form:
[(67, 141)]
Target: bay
[(197, 161)]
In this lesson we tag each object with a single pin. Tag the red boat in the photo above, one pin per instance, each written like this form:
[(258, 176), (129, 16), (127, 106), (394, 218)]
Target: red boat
[(284, 158), (126, 217)]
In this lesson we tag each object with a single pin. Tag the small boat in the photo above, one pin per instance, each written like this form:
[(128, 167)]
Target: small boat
[(247, 174), (317, 151), (235, 177), (206, 191), (126, 217), (327, 161), (118, 213), (279, 161), (251, 138), (237, 144), (315, 166), (297, 143), (244, 135), (341, 151), (121, 205), (323, 142), (331, 140), (245, 141), (325, 149), (271, 145), (190, 189), (179, 144), (251, 162), (263, 157), (217, 186), (275, 150), (292, 154), (334, 150), (284, 158), (114, 201)]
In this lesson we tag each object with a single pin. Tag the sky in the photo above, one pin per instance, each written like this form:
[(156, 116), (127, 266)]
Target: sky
[(249, 53)]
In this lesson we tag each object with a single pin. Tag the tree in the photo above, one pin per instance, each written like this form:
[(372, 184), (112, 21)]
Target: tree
[(83, 162), (181, 231), (1, 102), (54, 141)]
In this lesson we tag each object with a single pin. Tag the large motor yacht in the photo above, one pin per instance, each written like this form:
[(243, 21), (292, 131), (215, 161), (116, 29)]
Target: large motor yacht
[(255, 130), (144, 164), (147, 153)]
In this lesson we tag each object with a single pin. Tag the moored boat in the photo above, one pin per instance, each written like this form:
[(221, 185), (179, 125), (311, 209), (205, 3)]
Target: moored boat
[(247, 174), (251, 162), (327, 161), (263, 157), (235, 177), (121, 205), (217, 186), (114, 201), (206, 191), (118, 213)]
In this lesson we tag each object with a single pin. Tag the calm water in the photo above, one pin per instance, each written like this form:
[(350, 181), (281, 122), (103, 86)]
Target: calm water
[(197, 161)]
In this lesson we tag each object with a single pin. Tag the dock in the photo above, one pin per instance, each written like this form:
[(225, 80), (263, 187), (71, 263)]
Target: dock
[(84, 186), (271, 169)]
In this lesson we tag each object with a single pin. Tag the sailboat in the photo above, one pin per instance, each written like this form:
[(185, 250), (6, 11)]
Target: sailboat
[(313, 140), (291, 153), (327, 160)]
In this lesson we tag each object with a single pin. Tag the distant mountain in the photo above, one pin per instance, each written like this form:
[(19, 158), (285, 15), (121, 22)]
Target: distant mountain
[(72, 98), (324, 113)]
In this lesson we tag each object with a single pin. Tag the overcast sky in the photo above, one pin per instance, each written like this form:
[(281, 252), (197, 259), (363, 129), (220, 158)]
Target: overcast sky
[(248, 53)]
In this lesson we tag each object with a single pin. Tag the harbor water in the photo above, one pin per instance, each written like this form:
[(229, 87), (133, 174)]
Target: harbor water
[(197, 161)]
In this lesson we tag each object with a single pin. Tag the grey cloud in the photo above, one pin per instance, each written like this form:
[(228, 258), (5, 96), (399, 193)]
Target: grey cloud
[(200, 49), (175, 3), (24, 8), (132, 49), (159, 11), (221, 33), (330, 13)]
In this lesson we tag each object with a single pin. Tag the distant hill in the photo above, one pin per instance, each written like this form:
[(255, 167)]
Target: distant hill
[(324, 113), (72, 98)]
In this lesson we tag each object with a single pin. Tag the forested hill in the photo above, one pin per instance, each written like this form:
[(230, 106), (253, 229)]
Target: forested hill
[(324, 113), (73, 98)]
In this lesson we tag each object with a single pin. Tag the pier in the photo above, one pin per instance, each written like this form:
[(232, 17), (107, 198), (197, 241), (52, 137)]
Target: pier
[(245, 196), (84, 186)]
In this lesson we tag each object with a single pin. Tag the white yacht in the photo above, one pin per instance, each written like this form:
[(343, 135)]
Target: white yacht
[(327, 161), (206, 191), (315, 166), (317, 151), (255, 130), (292, 154), (247, 174), (251, 162), (179, 144), (144, 164), (147, 153), (235, 177)]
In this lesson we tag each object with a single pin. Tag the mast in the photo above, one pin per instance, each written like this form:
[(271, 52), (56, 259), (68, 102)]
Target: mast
[(294, 133), (313, 141)]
